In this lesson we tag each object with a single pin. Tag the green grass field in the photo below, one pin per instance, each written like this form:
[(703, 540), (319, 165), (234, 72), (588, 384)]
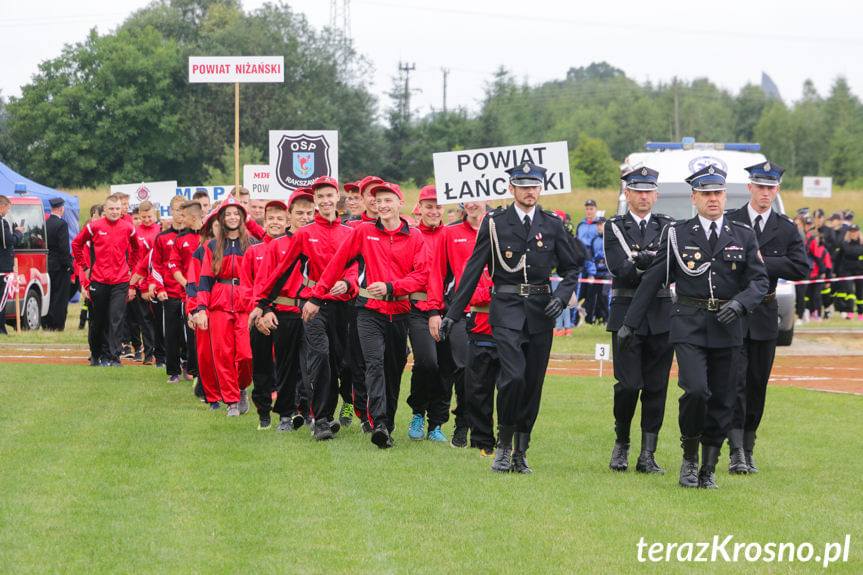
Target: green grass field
[(114, 471)]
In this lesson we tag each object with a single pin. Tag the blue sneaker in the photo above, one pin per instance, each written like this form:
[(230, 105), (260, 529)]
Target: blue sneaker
[(436, 435), (416, 429)]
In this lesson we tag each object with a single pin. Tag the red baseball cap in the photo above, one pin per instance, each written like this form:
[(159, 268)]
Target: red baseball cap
[(428, 193), (560, 214), (208, 221), (387, 187), (231, 201), (367, 181), (276, 204), (301, 193), (325, 181), (351, 187), (416, 210)]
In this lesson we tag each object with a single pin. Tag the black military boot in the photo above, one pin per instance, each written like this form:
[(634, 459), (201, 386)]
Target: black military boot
[(735, 451), (689, 469), (706, 475), (646, 463), (519, 461), (748, 448), (502, 458), (620, 453)]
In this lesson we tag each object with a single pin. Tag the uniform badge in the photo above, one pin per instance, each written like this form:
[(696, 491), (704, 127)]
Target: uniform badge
[(690, 264), (697, 255), (508, 255), (526, 168), (711, 171), (733, 266), (766, 166), (643, 171), (539, 243)]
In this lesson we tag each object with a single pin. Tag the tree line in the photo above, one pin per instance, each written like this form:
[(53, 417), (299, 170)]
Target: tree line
[(118, 108)]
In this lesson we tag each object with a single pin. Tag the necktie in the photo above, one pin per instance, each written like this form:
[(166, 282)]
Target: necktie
[(527, 224), (758, 225), (643, 225), (713, 236)]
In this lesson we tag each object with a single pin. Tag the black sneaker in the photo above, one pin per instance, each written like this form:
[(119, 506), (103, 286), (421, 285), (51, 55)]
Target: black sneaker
[(199, 389), (263, 423), (335, 426), (139, 356), (366, 427), (322, 430), (215, 406), (381, 437), (94, 362), (285, 425), (127, 352), (459, 436)]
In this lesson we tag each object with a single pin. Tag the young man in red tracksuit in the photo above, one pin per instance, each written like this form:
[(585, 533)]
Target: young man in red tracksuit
[(279, 316), (354, 369), (446, 271), (207, 387), (391, 257), (114, 248), (311, 249), (151, 337), (185, 244), (169, 293), (223, 310), (263, 362), (432, 360)]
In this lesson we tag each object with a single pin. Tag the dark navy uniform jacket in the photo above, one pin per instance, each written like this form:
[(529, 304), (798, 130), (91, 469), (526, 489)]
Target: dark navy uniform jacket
[(59, 254), (736, 272), (785, 257), (627, 277), (546, 246)]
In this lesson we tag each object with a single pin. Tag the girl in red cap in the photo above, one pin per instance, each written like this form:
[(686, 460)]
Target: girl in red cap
[(222, 308)]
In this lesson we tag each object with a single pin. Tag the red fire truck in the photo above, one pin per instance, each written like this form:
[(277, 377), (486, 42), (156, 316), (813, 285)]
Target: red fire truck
[(32, 256)]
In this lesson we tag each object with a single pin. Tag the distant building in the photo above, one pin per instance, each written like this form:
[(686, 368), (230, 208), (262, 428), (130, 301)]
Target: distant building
[(768, 87)]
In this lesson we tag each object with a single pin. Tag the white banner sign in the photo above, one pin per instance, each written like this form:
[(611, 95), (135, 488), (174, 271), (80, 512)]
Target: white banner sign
[(299, 157), (817, 187), (475, 175), (256, 179), (159, 193), (216, 193), (233, 69)]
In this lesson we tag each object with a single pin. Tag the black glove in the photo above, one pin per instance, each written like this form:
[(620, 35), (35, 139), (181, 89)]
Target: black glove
[(554, 307), (624, 337), (730, 312), (445, 327), (643, 260)]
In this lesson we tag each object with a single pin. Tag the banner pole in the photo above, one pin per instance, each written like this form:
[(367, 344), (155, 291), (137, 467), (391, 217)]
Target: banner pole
[(237, 136), (17, 302)]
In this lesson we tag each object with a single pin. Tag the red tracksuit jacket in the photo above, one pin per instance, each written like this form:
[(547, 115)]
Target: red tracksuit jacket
[(250, 272), (222, 295), (185, 244), (310, 251), (363, 219), (433, 238), (114, 249), (163, 279), (288, 286), (193, 273), (395, 257)]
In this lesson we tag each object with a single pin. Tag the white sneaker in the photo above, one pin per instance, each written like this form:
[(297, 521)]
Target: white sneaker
[(233, 410)]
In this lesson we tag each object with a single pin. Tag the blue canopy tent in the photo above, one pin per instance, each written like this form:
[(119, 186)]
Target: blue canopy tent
[(8, 179)]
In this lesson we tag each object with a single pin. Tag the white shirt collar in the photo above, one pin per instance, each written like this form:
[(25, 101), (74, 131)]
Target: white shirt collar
[(753, 214), (705, 223), (638, 219), (520, 213)]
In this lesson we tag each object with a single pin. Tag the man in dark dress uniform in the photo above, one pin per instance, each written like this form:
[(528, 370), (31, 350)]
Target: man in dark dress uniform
[(631, 242), (720, 277), (521, 245), (785, 257), (59, 265)]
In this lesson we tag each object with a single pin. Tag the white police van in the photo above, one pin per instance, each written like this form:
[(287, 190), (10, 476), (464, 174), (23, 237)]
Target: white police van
[(676, 161)]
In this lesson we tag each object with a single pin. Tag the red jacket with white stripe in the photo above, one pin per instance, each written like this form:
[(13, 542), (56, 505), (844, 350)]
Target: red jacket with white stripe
[(221, 291), (395, 257), (114, 249), (185, 244), (160, 276)]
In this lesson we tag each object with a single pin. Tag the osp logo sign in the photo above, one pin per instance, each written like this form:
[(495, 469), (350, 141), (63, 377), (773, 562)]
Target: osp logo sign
[(702, 162), (302, 159)]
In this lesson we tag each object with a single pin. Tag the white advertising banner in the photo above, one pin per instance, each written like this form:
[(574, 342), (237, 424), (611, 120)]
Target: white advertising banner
[(236, 69), (814, 187), (256, 179), (475, 175), (299, 157), (158, 193)]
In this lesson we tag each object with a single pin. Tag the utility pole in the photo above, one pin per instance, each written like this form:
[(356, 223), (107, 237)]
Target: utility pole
[(445, 74), (676, 113), (406, 69)]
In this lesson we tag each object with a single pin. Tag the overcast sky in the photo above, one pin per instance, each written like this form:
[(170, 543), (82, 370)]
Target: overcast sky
[(731, 42)]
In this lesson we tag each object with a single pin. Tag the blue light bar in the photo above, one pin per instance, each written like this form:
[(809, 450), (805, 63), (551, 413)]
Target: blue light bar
[(690, 144)]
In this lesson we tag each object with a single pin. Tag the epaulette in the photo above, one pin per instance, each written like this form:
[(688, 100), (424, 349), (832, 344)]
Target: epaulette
[(616, 219), (497, 211), (786, 218), (741, 224), (663, 217)]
